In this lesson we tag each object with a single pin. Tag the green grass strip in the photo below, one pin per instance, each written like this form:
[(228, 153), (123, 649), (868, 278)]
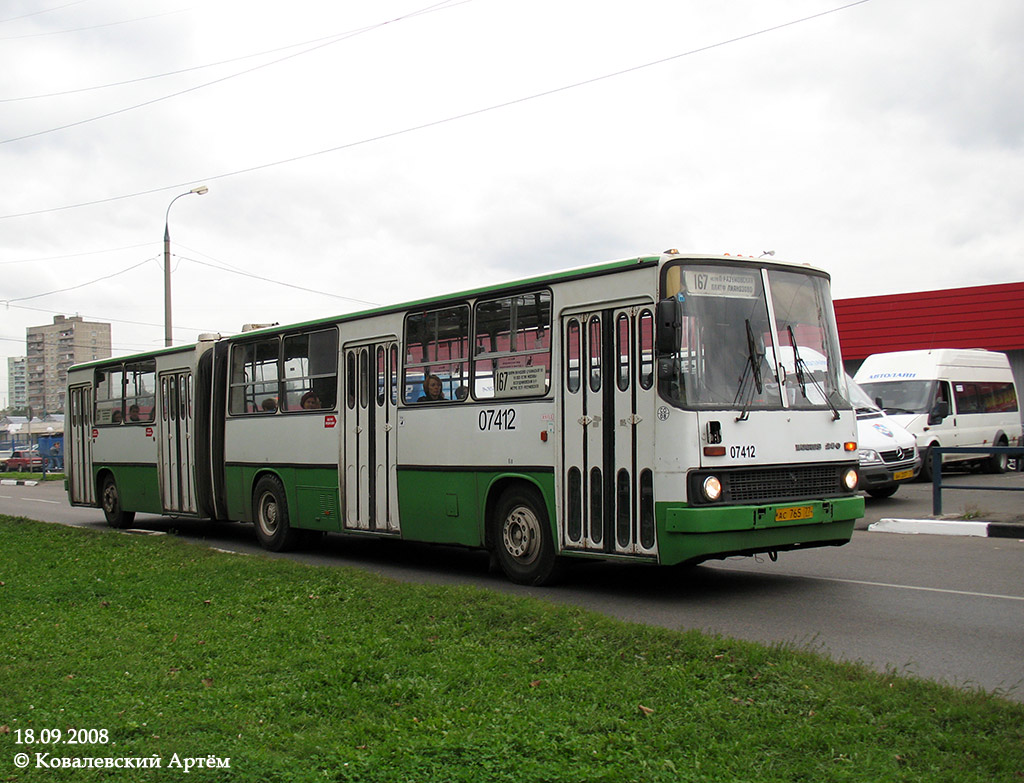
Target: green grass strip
[(300, 673)]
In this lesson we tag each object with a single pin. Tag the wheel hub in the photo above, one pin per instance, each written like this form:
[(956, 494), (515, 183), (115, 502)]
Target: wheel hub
[(268, 515), (521, 534)]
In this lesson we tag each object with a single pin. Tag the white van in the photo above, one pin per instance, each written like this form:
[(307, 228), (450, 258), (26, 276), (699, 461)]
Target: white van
[(888, 453), (947, 397)]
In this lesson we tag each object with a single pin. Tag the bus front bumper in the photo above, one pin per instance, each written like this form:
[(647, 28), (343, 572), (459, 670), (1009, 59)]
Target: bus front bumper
[(696, 533)]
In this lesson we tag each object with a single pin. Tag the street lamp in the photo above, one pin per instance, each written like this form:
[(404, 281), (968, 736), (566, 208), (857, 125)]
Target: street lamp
[(168, 341)]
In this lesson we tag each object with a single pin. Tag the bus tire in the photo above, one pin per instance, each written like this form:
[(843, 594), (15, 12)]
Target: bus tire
[(270, 513), (116, 516), (521, 536)]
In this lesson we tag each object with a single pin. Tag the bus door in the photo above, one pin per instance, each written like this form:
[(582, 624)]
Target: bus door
[(371, 433), (78, 449), (174, 435), (608, 402)]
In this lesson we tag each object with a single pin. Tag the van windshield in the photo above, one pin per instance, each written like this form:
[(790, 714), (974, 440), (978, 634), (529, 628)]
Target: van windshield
[(901, 396)]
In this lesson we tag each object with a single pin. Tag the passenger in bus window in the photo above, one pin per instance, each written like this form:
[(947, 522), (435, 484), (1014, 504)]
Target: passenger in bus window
[(269, 405), (310, 402), (432, 390), (133, 413), (462, 393)]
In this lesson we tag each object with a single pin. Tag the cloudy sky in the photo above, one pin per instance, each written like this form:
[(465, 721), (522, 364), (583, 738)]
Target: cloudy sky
[(360, 152)]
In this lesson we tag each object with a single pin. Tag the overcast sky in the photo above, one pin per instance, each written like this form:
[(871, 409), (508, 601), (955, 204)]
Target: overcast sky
[(375, 152)]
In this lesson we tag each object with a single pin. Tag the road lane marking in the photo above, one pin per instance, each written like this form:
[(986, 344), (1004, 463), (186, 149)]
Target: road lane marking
[(40, 500), (966, 593)]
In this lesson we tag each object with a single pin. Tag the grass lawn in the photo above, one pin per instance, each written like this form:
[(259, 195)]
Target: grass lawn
[(300, 673), (37, 476)]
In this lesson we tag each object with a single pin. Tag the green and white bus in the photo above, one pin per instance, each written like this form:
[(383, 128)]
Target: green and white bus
[(664, 409)]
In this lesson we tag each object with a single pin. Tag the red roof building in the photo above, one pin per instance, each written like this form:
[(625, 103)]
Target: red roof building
[(985, 316)]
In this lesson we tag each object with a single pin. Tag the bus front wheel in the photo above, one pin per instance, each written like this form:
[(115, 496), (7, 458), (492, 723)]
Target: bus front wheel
[(521, 537), (270, 508), (116, 516)]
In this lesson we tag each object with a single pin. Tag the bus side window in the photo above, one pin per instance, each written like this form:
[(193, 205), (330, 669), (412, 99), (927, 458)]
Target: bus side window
[(140, 391), (512, 346), (254, 377), (110, 395), (310, 370), (436, 350)]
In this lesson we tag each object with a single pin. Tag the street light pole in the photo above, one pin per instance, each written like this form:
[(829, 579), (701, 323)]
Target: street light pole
[(168, 340)]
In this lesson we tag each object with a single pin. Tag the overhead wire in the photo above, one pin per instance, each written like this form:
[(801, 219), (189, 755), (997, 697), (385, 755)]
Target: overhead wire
[(76, 287), (61, 344), (84, 29), (281, 282), (107, 319), (443, 5), (264, 53), (443, 121), (42, 11), (72, 255)]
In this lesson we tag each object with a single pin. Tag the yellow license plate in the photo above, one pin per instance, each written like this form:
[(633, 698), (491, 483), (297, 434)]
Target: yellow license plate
[(793, 512), (900, 475)]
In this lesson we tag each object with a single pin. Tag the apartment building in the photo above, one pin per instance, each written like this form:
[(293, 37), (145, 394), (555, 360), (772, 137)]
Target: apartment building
[(17, 379), (52, 349)]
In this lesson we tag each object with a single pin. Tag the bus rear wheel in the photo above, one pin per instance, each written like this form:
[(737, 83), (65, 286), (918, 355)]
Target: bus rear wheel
[(116, 516), (521, 537), (270, 509)]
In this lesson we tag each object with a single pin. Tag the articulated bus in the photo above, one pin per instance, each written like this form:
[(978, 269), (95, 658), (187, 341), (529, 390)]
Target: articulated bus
[(666, 409)]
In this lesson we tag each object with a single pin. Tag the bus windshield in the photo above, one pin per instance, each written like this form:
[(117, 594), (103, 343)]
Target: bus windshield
[(752, 339)]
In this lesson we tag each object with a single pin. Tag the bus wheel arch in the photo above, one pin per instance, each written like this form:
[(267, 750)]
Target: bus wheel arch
[(270, 514), (519, 532), (110, 501)]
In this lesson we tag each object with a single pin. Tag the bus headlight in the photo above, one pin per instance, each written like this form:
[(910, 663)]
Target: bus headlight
[(850, 479), (712, 488)]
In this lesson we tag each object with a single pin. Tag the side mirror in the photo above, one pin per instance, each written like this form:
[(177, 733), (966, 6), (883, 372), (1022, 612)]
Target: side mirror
[(938, 412), (669, 325)]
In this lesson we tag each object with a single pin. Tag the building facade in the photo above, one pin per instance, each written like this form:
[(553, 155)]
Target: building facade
[(17, 382), (52, 349), (985, 316)]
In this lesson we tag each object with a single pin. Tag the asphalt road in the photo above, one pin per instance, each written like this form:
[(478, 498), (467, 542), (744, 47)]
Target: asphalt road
[(939, 607)]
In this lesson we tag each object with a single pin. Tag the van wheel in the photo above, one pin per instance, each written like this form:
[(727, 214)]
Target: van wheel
[(521, 536), (270, 509), (116, 516), (883, 492), (997, 462), (926, 465)]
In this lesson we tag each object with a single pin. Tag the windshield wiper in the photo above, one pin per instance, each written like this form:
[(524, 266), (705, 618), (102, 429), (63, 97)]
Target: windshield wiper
[(753, 367), (800, 368), (755, 359)]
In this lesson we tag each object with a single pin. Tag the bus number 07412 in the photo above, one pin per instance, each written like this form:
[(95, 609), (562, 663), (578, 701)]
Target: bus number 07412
[(497, 419)]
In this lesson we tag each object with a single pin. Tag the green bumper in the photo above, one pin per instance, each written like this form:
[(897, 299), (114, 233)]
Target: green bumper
[(695, 533)]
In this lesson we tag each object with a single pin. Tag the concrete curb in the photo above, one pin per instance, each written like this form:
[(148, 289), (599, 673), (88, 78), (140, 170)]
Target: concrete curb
[(18, 482), (947, 527)]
